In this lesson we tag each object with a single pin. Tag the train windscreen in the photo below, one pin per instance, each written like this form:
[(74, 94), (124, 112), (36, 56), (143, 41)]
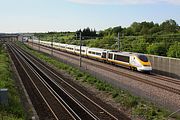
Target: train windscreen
[(143, 58)]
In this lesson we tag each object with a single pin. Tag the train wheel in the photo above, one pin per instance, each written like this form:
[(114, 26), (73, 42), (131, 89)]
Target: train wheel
[(134, 69), (130, 67)]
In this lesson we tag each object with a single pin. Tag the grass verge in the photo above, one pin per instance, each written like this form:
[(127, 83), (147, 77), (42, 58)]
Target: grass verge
[(139, 108), (14, 110)]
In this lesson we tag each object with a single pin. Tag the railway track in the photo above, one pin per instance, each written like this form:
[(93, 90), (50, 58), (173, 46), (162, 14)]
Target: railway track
[(135, 77), (39, 85), (62, 99), (156, 84), (171, 80)]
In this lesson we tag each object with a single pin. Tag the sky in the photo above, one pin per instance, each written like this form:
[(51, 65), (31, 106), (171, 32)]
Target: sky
[(70, 15)]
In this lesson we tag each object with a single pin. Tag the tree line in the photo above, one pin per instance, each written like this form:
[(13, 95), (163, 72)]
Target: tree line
[(145, 28), (145, 37), (87, 33)]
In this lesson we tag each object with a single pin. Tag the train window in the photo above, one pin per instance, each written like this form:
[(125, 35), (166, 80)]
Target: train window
[(110, 56), (121, 58), (93, 52), (98, 54), (104, 55), (89, 52), (143, 58)]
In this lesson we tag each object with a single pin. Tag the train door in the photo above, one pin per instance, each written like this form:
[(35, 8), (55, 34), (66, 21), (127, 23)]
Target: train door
[(132, 60), (132, 63), (103, 54)]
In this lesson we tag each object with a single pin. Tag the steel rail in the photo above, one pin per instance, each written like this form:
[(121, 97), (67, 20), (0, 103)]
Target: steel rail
[(171, 80), (83, 107), (34, 84), (48, 88), (44, 67), (72, 87)]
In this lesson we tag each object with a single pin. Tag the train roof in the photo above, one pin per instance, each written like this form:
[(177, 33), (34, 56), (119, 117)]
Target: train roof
[(55, 43), (97, 49), (71, 45), (83, 47), (61, 44), (45, 41), (125, 53), (121, 53)]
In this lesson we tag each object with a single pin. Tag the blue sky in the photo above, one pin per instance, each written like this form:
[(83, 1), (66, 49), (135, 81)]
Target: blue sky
[(70, 15)]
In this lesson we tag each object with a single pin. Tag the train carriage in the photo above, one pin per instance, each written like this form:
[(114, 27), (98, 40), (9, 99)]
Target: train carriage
[(71, 48), (35, 41), (96, 53), (45, 43), (62, 47), (140, 62), (119, 58), (56, 45), (130, 60), (83, 50)]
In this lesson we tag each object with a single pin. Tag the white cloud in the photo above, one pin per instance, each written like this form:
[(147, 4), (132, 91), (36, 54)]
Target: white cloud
[(122, 2)]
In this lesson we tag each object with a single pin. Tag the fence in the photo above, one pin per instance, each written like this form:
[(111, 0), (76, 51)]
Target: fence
[(165, 66)]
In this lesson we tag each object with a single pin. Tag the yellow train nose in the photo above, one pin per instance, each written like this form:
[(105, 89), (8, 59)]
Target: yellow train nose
[(146, 63)]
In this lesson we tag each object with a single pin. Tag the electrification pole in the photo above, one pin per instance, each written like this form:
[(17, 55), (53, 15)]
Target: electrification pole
[(52, 45), (39, 43), (118, 42), (80, 49), (122, 41), (32, 41)]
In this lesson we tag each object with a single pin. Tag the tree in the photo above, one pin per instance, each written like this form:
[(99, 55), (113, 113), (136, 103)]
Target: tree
[(87, 33), (154, 30), (157, 49), (169, 26), (136, 28), (139, 45), (174, 50), (115, 30), (145, 27)]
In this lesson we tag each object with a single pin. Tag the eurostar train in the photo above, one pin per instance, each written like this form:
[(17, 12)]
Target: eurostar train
[(134, 61)]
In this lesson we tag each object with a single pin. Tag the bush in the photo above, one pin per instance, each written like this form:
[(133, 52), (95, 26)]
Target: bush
[(157, 49), (14, 111), (174, 50)]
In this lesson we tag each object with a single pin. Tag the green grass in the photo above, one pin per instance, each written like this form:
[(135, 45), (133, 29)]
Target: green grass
[(136, 105), (14, 110)]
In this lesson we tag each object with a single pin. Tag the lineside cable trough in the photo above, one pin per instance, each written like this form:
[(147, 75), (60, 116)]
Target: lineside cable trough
[(4, 97)]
